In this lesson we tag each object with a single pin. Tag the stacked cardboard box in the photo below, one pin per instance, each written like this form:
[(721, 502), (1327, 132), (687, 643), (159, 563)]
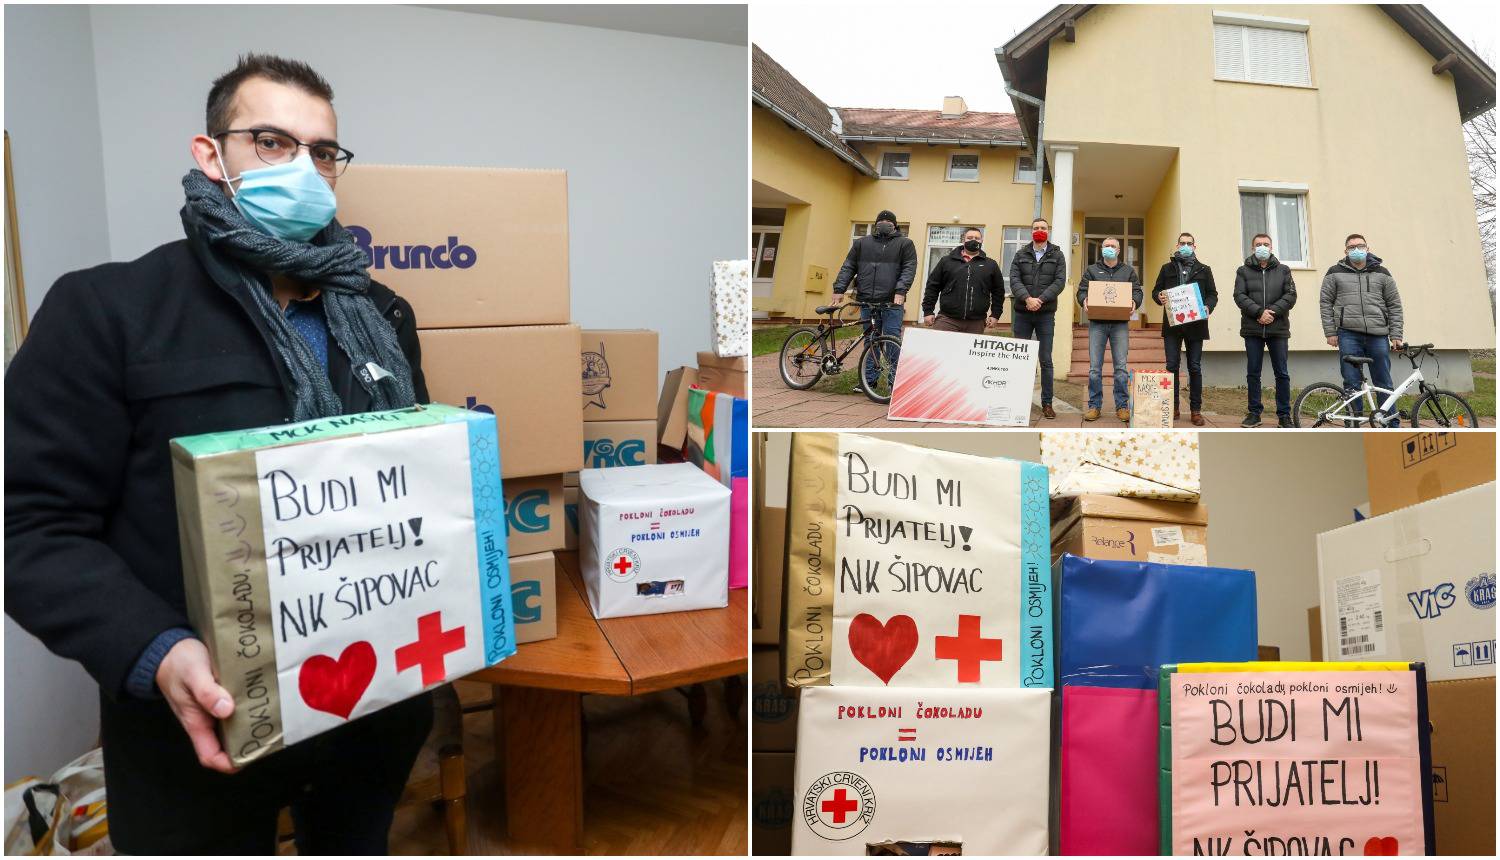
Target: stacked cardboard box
[(619, 397), (482, 256), (773, 738), (714, 373), (1123, 529)]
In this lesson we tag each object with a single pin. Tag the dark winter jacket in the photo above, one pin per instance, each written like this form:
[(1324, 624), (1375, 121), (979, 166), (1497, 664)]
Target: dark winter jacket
[(1363, 300), (1173, 274), (965, 290), (1121, 271), (879, 268), (1044, 279), (1256, 289)]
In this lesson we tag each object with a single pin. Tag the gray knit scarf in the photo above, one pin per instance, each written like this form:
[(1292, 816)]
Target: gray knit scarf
[(244, 254)]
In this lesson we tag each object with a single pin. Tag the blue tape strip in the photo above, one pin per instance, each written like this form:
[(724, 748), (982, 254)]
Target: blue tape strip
[(1036, 577), (490, 540)]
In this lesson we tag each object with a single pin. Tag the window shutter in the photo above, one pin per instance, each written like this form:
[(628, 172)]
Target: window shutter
[(1276, 56), (1229, 52)]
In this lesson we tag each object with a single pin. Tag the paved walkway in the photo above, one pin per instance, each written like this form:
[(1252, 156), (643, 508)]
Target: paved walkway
[(775, 405)]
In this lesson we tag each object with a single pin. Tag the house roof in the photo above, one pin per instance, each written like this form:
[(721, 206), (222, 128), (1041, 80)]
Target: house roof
[(773, 88), (930, 126), (1023, 60)]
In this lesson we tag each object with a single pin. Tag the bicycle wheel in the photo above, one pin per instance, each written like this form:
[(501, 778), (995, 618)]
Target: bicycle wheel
[(801, 359), (877, 367), (1439, 408), (1316, 401)]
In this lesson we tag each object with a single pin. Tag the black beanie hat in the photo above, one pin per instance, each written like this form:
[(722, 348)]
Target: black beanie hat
[(887, 215)]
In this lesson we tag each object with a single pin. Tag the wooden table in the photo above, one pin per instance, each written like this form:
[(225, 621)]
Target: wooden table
[(538, 696)]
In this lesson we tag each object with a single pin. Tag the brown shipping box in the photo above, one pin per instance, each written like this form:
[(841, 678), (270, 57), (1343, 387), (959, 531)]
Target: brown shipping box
[(671, 407), (1108, 300), (1315, 633), (534, 514), (729, 375), (570, 518), (466, 246), (618, 443), (770, 573), (619, 374), (533, 589), (773, 707), (527, 376), (1123, 529), (1405, 469), (772, 807), (1462, 714)]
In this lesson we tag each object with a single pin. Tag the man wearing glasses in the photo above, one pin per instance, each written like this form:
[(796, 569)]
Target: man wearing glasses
[(1361, 313), (262, 314)]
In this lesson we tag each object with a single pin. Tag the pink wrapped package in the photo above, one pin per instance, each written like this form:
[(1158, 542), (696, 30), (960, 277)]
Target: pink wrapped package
[(739, 532)]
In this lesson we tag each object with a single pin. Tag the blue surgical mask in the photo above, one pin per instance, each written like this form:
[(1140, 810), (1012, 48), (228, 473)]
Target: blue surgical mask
[(1262, 252), (290, 201), (1185, 251), (1357, 255), (1110, 253)]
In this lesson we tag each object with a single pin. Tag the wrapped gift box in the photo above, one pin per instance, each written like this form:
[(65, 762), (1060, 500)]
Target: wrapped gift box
[(1151, 399), (1120, 529), (337, 566), (1415, 584), (909, 566), (718, 434), (1295, 758), (1117, 623), (951, 769), (1183, 304), (730, 293), (653, 539), (1135, 464)]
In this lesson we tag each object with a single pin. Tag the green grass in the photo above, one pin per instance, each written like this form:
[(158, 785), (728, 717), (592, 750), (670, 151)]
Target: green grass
[(765, 341), (1482, 398), (1484, 365)]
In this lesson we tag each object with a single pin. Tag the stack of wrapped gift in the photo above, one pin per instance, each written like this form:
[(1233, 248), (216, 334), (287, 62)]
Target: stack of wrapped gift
[(919, 630)]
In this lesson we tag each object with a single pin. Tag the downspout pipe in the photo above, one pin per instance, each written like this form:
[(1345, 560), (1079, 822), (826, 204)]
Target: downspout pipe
[(1036, 157)]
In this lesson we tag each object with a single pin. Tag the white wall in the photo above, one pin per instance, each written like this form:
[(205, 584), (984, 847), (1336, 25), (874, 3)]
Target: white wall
[(1269, 496)]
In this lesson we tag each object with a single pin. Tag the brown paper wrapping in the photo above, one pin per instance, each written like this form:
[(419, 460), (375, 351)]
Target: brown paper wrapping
[(812, 492)]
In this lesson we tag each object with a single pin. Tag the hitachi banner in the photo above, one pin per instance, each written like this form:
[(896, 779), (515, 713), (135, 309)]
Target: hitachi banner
[(964, 379)]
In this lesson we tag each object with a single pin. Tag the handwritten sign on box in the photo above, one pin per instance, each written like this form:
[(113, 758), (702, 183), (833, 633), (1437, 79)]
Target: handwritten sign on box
[(958, 378), (1184, 304), (1151, 396), (1296, 758)]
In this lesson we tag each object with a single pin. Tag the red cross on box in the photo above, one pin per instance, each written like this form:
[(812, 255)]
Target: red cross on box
[(841, 805), (433, 642), (623, 565), (968, 648)]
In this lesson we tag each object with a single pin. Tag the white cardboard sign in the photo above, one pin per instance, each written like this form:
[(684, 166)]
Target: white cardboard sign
[(957, 378)]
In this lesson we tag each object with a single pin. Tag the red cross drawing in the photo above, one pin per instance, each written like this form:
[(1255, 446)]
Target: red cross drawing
[(432, 643), (623, 565), (841, 805), (968, 648), (1165, 382)]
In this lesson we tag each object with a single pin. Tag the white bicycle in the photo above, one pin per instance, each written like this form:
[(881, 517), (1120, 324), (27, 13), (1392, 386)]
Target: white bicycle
[(1326, 404)]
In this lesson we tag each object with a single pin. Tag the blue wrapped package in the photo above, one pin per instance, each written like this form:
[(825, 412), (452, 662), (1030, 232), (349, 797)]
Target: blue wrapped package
[(1117, 623)]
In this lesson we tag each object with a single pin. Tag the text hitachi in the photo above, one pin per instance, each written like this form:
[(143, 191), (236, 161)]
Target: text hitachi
[(1003, 345)]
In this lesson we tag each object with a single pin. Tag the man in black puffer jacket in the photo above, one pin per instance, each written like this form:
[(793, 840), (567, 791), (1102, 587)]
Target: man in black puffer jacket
[(1186, 268), (965, 291), (1038, 274), (881, 267), (1265, 292)]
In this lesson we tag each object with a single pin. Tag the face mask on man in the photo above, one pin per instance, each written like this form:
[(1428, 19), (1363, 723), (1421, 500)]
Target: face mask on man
[(1109, 252), (1039, 236), (885, 229), (1262, 252), (1357, 255), (290, 201), (972, 245), (1185, 251)]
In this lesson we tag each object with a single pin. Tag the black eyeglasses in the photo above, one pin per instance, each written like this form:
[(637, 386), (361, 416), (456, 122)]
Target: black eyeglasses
[(277, 147)]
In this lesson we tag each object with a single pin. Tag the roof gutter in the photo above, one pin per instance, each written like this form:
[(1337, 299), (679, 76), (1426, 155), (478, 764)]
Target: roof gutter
[(816, 135), (930, 141), (1037, 163)]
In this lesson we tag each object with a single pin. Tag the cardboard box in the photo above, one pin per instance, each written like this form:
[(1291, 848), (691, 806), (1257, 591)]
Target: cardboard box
[(671, 408), (1120, 529), (570, 479), (533, 514), (1110, 300), (526, 377), (336, 566), (1151, 399), (1134, 463), (619, 374), (729, 375), (1406, 469), (570, 518), (618, 443), (533, 588), (770, 575), (1315, 632), (1415, 584), (653, 539), (772, 806), (1462, 714), (466, 246), (773, 707)]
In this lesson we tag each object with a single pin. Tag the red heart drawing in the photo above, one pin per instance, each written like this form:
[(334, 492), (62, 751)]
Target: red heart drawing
[(335, 686), (883, 648), (1378, 846), (1181, 316)]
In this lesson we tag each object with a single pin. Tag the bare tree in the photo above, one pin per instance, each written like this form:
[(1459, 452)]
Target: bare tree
[(1479, 139)]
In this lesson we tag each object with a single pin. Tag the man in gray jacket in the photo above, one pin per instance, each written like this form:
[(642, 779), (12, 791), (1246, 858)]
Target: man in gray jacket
[(1114, 333), (1361, 313)]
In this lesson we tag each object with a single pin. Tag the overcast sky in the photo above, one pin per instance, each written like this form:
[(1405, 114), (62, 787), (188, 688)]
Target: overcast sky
[(910, 55)]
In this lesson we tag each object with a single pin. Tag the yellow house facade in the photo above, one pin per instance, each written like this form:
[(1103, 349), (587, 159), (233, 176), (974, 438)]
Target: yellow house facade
[(1305, 122)]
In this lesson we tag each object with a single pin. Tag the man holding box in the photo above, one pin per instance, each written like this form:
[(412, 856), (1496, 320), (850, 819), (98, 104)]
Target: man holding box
[(1361, 311), (965, 292), (1115, 333), (1038, 274), (1185, 268), (1265, 292), (264, 314)]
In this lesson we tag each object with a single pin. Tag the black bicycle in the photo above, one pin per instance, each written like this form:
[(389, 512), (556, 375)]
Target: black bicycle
[(811, 352)]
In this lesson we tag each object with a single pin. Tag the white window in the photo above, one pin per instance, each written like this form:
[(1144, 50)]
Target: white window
[(864, 228), (1025, 170), (941, 240), (895, 165), (1012, 240), (1261, 50), (963, 167), (1282, 215)]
